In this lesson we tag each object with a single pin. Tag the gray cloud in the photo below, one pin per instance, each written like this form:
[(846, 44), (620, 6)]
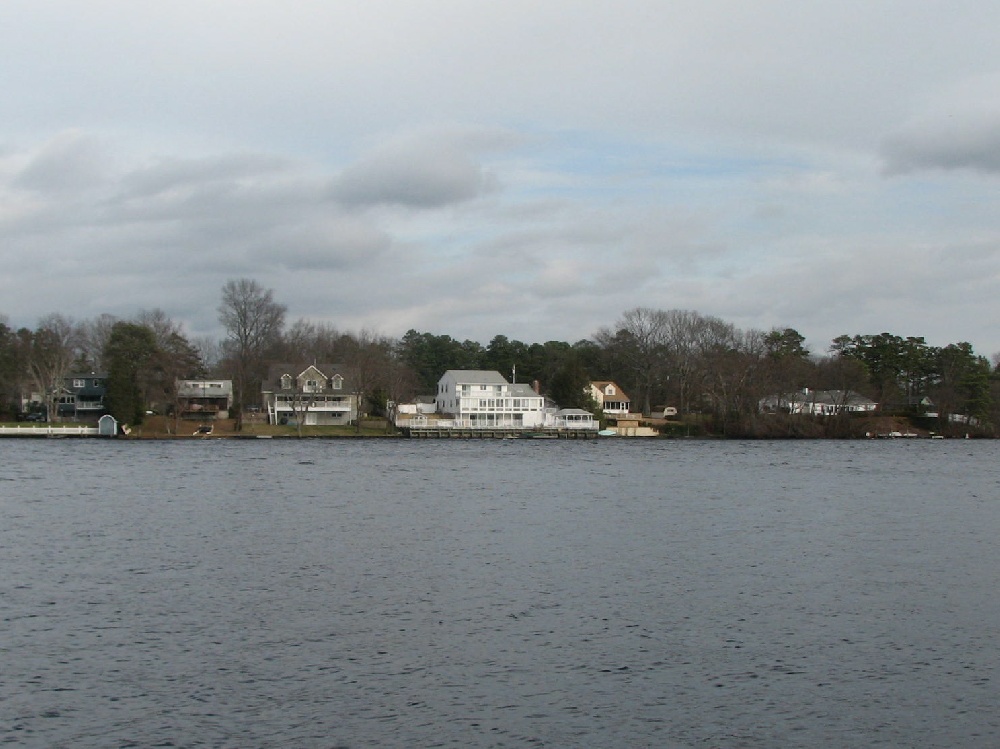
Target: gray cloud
[(423, 172), (956, 142), (69, 162)]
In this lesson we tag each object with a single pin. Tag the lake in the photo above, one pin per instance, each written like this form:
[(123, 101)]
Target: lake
[(600, 593)]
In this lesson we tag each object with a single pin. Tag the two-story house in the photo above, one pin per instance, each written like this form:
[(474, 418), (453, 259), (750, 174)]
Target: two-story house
[(82, 397), (204, 399), (609, 397), (311, 395), (484, 399)]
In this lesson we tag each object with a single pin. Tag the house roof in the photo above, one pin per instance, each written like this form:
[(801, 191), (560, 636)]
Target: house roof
[(476, 376), (200, 388), (601, 384), (276, 371), (522, 390)]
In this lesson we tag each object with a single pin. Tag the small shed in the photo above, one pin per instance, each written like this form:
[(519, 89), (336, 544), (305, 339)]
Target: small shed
[(107, 426)]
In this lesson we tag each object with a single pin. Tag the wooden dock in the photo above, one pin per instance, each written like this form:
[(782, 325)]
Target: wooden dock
[(430, 432)]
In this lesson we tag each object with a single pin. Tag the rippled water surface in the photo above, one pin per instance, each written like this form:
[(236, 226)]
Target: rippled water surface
[(507, 594)]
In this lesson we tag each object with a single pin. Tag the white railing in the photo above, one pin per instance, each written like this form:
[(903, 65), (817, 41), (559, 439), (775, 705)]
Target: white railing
[(37, 431), (574, 424), (423, 423)]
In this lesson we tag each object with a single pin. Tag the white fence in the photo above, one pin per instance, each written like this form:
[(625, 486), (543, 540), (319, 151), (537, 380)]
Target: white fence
[(48, 431)]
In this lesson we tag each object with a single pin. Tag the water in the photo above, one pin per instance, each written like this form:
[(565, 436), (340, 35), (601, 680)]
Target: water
[(499, 594)]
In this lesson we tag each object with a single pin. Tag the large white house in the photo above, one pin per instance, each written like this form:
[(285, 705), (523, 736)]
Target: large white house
[(476, 398), (314, 396)]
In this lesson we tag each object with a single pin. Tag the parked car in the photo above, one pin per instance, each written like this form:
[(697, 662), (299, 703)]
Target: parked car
[(31, 416)]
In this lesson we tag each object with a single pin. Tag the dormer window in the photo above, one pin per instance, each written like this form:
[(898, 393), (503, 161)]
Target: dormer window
[(286, 382), (337, 382), (609, 390)]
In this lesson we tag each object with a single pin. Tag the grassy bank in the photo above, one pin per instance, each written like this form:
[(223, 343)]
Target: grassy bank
[(163, 427)]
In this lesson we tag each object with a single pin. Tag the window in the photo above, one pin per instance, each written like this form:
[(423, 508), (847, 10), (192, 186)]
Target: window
[(286, 381), (79, 383), (337, 382)]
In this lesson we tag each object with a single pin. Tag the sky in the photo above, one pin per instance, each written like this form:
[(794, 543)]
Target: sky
[(527, 169)]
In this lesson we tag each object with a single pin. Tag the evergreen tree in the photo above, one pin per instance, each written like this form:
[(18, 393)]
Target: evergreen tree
[(129, 355)]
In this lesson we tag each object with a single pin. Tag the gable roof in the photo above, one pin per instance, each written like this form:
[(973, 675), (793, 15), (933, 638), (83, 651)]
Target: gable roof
[(601, 384), (276, 371)]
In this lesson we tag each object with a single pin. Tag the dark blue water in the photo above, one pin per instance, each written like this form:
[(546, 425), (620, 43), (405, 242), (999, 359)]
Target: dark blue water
[(506, 594)]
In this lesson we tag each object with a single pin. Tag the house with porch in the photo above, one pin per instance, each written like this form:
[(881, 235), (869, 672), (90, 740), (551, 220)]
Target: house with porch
[(481, 399), (82, 397), (572, 418), (203, 399), (611, 398), (316, 395)]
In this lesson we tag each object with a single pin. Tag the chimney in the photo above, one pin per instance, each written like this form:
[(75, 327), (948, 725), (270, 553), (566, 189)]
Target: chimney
[(537, 387)]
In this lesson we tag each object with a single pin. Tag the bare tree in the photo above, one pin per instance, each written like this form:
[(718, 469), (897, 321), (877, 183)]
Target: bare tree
[(54, 347), (639, 341), (311, 341), (400, 383), (94, 337), (367, 366), (253, 323), (209, 351)]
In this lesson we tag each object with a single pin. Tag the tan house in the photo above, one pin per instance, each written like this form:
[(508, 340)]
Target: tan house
[(313, 394), (611, 398)]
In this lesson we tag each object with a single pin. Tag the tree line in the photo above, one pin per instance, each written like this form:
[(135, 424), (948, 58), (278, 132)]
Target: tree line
[(713, 372)]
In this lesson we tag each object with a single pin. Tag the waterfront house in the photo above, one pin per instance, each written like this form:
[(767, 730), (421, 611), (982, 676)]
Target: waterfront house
[(82, 397), (818, 402), (481, 399), (573, 418), (611, 398), (204, 399), (313, 394)]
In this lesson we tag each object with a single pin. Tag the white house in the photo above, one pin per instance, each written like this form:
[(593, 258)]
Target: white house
[(479, 399), (818, 402), (317, 397), (611, 398), (572, 418)]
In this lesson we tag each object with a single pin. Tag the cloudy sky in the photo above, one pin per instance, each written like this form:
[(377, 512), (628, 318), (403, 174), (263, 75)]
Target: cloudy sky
[(531, 169)]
